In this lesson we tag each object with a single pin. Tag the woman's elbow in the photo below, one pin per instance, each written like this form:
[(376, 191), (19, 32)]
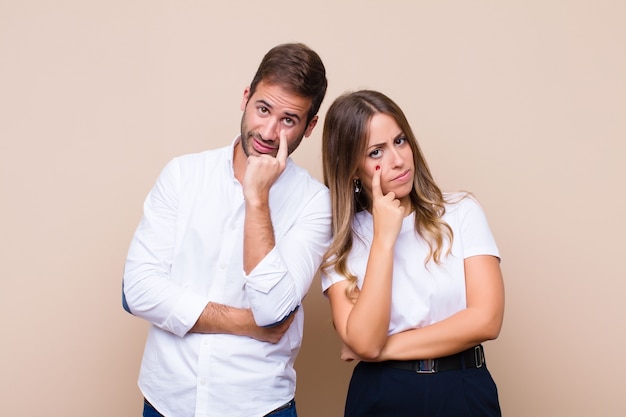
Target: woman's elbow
[(367, 350), (492, 327), (369, 353), (491, 333)]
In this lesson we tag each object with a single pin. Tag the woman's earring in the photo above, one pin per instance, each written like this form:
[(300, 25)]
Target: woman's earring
[(357, 185)]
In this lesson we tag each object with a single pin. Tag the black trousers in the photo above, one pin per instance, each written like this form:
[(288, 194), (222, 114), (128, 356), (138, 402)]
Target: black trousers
[(379, 391)]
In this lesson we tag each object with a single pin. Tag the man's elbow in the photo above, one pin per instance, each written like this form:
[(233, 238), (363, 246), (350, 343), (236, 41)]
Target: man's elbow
[(271, 320), (125, 305)]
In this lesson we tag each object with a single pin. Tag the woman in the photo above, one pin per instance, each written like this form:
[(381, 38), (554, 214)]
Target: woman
[(413, 275)]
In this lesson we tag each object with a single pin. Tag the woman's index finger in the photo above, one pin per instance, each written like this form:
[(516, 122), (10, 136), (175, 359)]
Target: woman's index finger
[(376, 190)]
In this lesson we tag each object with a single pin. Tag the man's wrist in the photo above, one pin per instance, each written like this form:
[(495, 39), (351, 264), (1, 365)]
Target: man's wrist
[(256, 201)]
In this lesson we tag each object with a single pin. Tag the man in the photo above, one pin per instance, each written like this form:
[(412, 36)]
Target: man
[(226, 250)]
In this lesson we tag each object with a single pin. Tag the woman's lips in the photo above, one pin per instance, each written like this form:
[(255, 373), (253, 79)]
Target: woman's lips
[(403, 177)]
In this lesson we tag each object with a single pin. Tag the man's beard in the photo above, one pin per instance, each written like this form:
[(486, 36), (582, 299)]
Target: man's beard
[(247, 140)]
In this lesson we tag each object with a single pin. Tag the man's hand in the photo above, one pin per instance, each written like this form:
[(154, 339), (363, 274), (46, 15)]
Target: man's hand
[(271, 334), (263, 170)]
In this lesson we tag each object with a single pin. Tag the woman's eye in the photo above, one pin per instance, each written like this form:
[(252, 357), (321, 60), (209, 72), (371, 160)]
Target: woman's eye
[(400, 140), (376, 153)]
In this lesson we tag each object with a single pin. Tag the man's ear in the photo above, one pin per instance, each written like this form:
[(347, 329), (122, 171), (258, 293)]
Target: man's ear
[(309, 128), (246, 97)]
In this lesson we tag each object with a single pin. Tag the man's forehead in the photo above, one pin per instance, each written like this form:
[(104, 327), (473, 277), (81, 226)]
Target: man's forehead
[(281, 99)]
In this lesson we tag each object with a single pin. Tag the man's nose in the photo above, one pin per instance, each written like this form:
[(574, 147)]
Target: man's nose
[(270, 129)]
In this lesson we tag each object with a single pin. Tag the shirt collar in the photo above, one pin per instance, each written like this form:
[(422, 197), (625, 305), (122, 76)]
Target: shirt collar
[(231, 156)]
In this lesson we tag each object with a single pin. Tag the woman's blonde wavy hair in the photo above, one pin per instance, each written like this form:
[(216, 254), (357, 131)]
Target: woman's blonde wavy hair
[(344, 141)]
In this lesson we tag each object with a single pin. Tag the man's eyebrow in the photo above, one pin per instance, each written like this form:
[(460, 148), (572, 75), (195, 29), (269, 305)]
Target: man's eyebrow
[(264, 103), (293, 116), (269, 106)]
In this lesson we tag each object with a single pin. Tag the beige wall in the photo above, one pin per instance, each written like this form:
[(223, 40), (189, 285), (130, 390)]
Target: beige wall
[(522, 102)]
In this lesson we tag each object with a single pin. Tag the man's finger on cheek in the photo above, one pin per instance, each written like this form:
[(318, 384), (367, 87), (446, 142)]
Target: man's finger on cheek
[(283, 150)]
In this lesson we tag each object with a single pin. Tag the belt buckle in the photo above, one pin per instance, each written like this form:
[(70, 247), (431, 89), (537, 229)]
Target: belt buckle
[(426, 366), (479, 356)]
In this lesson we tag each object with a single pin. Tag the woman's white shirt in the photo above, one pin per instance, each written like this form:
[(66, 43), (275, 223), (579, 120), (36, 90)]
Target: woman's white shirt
[(423, 294)]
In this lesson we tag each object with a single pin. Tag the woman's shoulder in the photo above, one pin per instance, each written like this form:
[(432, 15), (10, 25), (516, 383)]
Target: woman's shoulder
[(461, 203), (362, 225), (362, 219)]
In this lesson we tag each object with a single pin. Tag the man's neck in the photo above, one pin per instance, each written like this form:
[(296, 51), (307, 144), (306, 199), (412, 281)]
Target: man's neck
[(240, 161)]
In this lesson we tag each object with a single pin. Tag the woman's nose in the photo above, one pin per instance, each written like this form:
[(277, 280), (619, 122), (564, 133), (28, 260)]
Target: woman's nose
[(396, 158)]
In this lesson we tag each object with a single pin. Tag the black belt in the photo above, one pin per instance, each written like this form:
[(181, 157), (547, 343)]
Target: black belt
[(281, 408), (470, 358)]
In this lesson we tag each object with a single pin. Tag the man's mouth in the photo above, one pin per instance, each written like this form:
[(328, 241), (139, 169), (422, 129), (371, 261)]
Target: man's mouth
[(262, 147)]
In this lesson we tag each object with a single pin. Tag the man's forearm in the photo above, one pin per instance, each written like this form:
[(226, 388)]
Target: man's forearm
[(258, 235), (220, 318)]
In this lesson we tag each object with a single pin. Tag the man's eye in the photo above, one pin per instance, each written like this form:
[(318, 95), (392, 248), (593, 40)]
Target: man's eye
[(288, 121), (263, 110)]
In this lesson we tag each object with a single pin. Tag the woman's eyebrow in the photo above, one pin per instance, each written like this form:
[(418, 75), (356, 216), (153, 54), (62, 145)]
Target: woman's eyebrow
[(384, 142)]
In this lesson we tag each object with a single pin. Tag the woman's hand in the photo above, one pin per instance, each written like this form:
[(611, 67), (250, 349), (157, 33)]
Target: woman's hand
[(347, 354), (387, 212)]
